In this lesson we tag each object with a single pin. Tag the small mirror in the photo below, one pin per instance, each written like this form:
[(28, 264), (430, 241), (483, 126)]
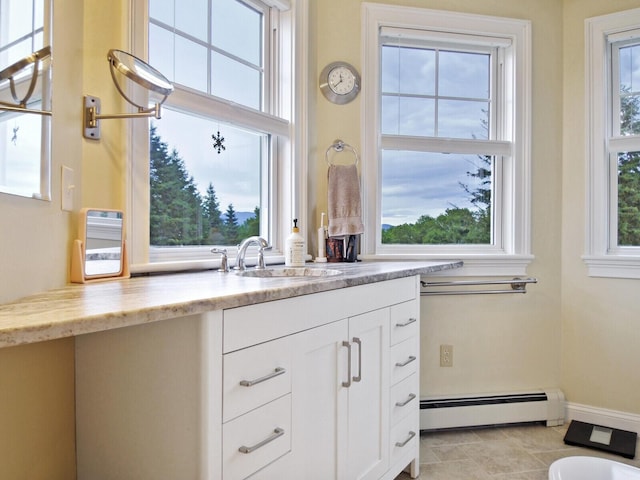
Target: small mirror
[(100, 250), (125, 66)]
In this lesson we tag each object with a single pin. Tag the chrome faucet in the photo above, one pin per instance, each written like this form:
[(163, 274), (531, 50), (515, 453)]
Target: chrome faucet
[(242, 250)]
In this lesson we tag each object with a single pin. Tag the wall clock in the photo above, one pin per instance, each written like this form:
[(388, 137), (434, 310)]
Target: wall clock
[(339, 82)]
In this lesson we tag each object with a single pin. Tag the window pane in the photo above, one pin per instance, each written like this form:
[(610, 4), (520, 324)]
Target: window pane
[(191, 64), (191, 16), (408, 116), (629, 199), (20, 13), (463, 119), (434, 198), (234, 81), (630, 90), (20, 153), (237, 29), (163, 11), (161, 51), (464, 75), (408, 70), (197, 195)]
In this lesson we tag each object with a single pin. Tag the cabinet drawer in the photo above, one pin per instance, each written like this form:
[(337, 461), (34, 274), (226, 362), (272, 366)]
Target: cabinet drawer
[(255, 376), (405, 321), (404, 359), (404, 437), (404, 399), (256, 439)]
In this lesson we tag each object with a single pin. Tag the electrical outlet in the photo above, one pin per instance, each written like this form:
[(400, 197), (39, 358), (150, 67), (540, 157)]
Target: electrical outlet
[(446, 355)]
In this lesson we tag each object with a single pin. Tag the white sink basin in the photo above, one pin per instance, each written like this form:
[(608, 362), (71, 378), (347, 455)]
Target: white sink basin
[(280, 272)]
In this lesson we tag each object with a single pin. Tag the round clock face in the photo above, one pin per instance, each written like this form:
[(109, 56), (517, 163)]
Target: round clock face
[(339, 82)]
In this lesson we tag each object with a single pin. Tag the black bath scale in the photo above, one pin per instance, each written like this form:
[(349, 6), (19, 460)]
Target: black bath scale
[(610, 440)]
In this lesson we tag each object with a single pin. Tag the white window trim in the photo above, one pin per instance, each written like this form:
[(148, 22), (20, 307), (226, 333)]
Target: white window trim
[(515, 254), (291, 171), (601, 259)]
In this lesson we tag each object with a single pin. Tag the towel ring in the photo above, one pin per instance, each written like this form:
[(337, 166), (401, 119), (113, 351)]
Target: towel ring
[(340, 146)]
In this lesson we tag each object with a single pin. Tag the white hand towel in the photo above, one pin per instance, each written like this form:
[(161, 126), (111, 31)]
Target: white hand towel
[(344, 204)]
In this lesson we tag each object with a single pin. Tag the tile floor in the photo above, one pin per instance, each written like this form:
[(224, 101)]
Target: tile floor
[(522, 452)]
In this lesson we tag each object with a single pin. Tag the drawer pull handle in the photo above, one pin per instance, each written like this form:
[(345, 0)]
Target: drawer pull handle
[(278, 432), (407, 323), (402, 404), (347, 384), (358, 342), (250, 383), (406, 362), (402, 444)]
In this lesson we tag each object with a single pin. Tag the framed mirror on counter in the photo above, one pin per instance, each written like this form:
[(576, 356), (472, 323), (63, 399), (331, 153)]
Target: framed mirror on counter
[(99, 252)]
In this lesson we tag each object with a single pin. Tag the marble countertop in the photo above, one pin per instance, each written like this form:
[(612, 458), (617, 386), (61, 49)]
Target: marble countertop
[(93, 307)]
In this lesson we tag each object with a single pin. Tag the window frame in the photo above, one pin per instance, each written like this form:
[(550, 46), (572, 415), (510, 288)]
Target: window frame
[(513, 207), (603, 257), (285, 171)]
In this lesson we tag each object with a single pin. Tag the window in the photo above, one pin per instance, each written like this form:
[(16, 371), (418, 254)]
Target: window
[(613, 113), (449, 103), (214, 175), (25, 137)]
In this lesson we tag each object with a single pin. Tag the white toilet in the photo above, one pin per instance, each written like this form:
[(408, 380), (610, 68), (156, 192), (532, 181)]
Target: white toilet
[(591, 468)]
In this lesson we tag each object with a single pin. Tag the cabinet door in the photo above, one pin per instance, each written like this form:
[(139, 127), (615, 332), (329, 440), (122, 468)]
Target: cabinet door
[(369, 395), (319, 402)]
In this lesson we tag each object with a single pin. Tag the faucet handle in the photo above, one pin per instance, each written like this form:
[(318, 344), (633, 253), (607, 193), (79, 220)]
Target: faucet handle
[(224, 262), (260, 265)]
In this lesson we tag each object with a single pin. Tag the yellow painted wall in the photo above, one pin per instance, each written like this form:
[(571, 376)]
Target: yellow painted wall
[(501, 343), (37, 407), (570, 331), (600, 317)]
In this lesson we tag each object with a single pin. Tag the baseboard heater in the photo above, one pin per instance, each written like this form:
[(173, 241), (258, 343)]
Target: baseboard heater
[(496, 409)]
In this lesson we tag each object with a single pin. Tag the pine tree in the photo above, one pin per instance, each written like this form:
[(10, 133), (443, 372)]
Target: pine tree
[(231, 226), (176, 206), (251, 225), (214, 233)]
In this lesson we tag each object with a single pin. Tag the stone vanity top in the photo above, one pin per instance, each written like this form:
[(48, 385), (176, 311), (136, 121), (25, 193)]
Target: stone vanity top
[(93, 307)]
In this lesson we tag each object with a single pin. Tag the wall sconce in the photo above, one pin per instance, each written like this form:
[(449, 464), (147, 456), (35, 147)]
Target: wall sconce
[(136, 70), (15, 73)]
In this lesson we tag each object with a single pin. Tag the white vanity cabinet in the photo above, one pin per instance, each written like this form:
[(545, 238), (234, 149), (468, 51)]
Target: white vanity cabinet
[(307, 387)]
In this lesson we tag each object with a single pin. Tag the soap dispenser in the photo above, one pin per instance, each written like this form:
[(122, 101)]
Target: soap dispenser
[(294, 247)]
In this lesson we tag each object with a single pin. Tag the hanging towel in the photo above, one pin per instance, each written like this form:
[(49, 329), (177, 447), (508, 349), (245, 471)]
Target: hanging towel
[(344, 207)]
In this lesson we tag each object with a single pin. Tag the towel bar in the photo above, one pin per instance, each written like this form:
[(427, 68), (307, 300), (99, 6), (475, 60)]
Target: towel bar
[(518, 285)]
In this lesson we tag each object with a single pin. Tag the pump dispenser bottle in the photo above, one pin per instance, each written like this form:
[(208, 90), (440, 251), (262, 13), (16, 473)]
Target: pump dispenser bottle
[(294, 247)]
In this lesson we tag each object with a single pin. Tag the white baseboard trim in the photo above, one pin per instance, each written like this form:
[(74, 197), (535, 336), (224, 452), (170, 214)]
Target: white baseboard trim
[(602, 416)]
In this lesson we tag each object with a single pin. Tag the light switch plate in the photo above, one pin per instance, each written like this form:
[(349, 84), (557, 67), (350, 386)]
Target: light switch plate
[(67, 188)]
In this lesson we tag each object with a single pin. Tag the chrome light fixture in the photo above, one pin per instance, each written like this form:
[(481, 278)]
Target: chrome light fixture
[(16, 73), (138, 71)]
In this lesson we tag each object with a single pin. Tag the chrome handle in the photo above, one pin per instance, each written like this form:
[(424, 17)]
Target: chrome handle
[(250, 383), (347, 384), (402, 404), (278, 432), (224, 262), (407, 323), (407, 362), (357, 341), (261, 265), (402, 444)]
